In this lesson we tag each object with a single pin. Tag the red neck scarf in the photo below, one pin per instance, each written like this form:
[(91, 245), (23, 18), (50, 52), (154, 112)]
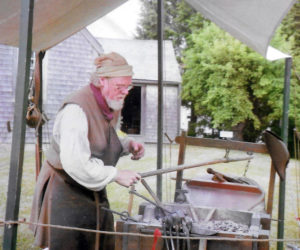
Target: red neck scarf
[(106, 111)]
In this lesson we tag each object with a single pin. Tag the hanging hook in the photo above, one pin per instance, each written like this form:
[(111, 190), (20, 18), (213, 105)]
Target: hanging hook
[(248, 164), (169, 139), (227, 151)]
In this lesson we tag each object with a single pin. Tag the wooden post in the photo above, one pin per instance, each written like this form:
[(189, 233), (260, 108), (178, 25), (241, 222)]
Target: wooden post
[(18, 138), (271, 190), (181, 156)]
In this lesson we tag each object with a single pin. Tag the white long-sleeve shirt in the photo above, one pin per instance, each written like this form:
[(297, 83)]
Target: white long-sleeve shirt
[(70, 132)]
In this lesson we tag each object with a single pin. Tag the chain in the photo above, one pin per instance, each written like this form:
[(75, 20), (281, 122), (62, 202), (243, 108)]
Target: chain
[(248, 164)]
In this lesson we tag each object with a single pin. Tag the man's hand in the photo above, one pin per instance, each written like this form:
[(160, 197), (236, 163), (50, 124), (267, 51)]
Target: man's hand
[(137, 150), (127, 178)]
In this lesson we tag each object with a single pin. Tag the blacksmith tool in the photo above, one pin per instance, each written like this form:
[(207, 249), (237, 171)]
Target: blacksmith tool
[(153, 195), (169, 224), (187, 166), (123, 215), (177, 223), (180, 196), (152, 202), (186, 232), (165, 233)]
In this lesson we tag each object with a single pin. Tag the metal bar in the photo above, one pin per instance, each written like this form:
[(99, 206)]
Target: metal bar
[(18, 137), (286, 100), (160, 37), (187, 166), (158, 202), (40, 105), (143, 197), (284, 135)]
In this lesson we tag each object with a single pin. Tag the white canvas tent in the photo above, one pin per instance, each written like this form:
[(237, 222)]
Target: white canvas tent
[(53, 21), (251, 21)]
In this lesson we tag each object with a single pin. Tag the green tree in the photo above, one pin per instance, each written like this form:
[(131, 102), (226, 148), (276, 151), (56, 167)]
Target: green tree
[(243, 83), (230, 83), (179, 22), (290, 30)]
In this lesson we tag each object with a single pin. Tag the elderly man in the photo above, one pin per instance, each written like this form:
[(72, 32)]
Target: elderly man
[(81, 161)]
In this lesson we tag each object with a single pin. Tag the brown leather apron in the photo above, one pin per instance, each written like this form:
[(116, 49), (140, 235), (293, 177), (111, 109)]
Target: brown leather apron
[(65, 202)]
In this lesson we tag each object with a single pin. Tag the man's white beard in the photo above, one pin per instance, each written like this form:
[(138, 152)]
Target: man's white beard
[(114, 104)]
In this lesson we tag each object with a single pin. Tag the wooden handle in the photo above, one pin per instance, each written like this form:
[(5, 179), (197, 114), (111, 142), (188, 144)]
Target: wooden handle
[(221, 177), (130, 202), (271, 190)]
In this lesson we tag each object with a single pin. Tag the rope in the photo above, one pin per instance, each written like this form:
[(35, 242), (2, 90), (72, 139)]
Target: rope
[(2, 222)]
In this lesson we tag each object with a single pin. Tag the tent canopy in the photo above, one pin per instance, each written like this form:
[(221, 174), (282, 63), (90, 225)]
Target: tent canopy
[(54, 20), (274, 54), (253, 22)]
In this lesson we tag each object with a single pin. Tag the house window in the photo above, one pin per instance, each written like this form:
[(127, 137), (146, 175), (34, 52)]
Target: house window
[(131, 112)]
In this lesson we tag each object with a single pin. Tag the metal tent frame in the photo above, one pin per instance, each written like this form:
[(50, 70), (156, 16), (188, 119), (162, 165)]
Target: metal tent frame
[(18, 137)]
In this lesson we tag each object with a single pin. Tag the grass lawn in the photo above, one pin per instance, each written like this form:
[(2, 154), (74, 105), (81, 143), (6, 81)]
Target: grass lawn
[(258, 170)]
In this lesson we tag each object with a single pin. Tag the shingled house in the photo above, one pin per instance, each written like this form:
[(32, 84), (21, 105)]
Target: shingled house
[(67, 67), (8, 71)]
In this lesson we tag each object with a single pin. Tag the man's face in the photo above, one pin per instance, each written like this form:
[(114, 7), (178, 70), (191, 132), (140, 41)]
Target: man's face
[(115, 90)]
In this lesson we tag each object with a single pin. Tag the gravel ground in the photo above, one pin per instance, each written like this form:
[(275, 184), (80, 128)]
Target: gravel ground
[(258, 170)]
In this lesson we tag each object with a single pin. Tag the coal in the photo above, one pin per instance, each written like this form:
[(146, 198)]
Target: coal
[(225, 225)]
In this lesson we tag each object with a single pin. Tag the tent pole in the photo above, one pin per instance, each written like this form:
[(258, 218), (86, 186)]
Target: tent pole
[(19, 128), (160, 36), (284, 135), (40, 57)]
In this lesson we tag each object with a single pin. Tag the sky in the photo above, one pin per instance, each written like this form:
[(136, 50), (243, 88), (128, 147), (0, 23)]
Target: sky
[(121, 23)]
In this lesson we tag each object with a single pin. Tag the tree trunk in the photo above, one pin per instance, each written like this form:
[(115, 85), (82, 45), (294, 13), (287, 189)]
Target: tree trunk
[(238, 131), (193, 123)]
